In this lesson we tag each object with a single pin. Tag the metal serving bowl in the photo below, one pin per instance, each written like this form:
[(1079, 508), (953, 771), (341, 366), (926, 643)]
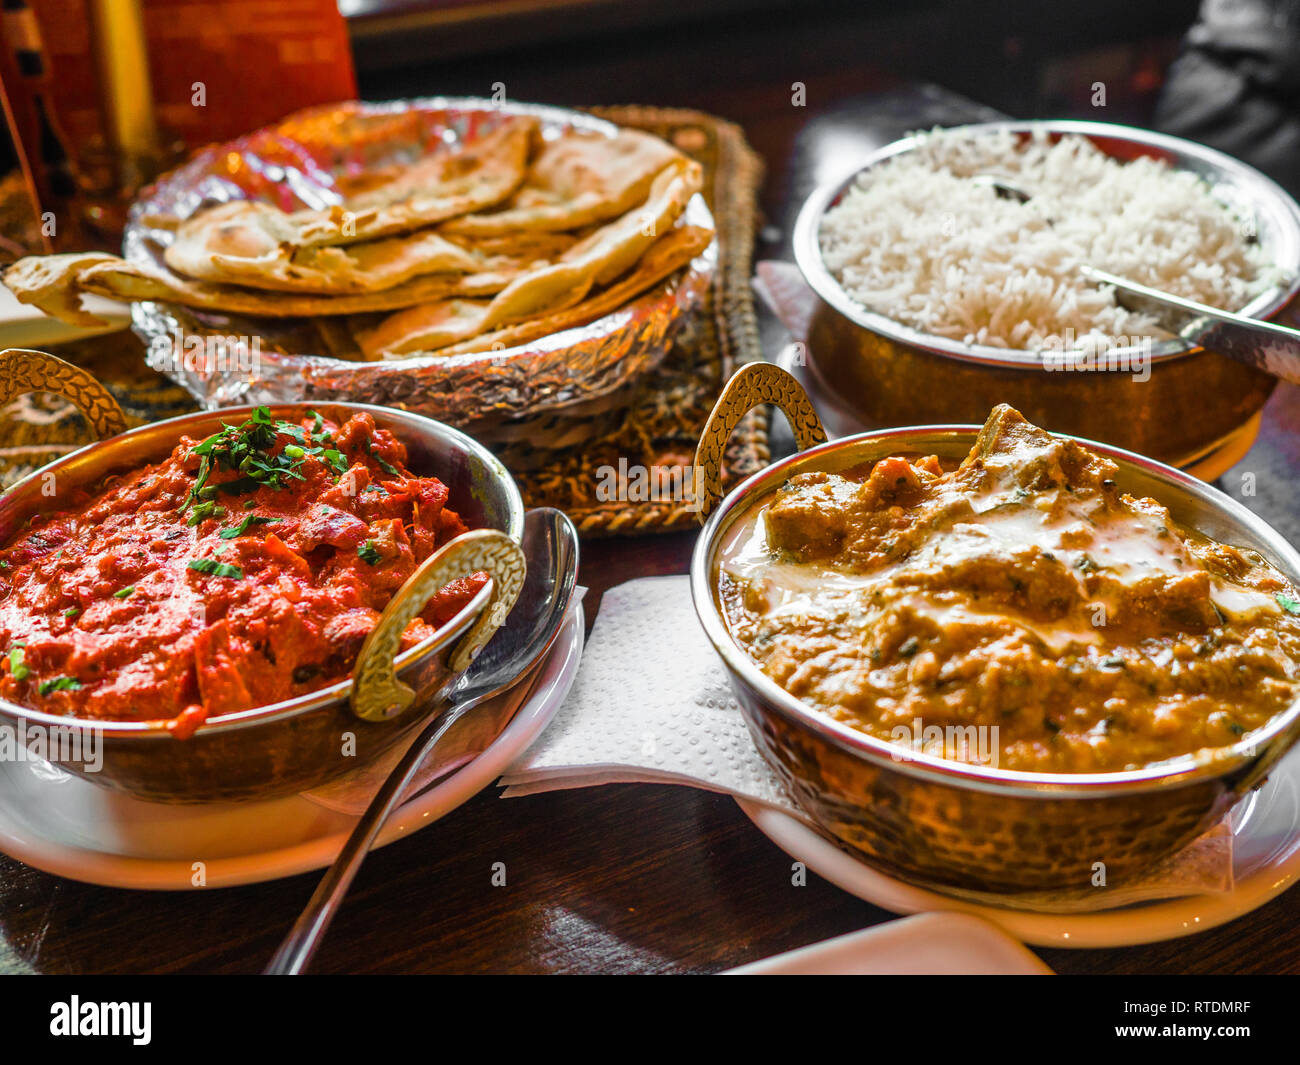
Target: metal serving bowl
[(297, 744), (946, 824), (886, 373)]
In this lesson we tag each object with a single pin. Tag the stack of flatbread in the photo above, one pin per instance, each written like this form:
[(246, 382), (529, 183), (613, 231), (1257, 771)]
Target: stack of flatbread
[(506, 240)]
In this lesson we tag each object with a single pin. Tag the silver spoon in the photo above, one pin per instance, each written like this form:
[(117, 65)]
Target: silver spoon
[(1275, 349), (551, 547)]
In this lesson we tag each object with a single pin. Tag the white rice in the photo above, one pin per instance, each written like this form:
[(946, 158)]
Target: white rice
[(914, 239)]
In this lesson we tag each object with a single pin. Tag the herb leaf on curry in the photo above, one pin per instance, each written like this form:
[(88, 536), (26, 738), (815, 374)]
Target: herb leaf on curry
[(214, 568), (231, 532), (19, 668)]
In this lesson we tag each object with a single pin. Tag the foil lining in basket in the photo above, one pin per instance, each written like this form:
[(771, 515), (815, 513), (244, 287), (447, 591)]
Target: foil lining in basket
[(225, 359)]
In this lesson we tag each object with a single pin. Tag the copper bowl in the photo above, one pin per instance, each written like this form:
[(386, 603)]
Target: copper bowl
[(291, 746), (948, 825), (886, 373)]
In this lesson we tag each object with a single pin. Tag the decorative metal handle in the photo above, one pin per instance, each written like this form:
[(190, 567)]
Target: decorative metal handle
[(23, 371), (377, 694), (752, 384)]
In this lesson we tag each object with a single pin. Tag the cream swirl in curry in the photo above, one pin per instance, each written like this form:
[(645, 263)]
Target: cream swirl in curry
[(1020, 595)]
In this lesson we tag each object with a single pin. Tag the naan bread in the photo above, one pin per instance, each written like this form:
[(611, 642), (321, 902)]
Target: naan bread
[(579, 179), (258, 244), (48, 282), (452, 326), (590, 209), (602, 256), (434, 325), (55, 284), (523, 246), (442, 185), (247, 244)]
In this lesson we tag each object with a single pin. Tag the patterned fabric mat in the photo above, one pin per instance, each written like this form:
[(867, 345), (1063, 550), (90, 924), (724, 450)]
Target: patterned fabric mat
[(636, 442)]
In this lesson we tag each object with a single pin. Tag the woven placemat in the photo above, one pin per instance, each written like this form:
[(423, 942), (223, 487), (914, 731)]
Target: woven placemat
[(610, 483)]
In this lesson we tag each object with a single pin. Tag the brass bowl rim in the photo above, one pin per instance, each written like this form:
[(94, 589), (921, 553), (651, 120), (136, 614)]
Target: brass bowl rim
[(419, 424), (1206, 764), (1264, 193)]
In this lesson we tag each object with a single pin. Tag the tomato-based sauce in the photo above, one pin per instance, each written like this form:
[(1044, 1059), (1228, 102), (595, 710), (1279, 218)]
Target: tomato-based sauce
[(1017, 611), (243, 570)]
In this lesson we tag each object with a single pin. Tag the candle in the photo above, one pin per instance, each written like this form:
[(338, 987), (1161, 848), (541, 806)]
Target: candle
[(124, 75)]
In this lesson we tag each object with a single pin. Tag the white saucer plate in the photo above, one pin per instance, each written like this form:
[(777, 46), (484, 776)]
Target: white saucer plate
[(64, 825), (1266, 861), (927, 944)]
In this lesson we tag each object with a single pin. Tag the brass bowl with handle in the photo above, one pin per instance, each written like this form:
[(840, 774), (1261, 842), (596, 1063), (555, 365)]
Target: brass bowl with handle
[(267, 751), (971, 830), (886, 373)]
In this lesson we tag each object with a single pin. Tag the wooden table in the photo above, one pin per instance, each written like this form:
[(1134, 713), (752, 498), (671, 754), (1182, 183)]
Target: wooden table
[(616, 879)]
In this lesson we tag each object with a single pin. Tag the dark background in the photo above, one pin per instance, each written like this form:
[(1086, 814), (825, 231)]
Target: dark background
[(1020, 56)]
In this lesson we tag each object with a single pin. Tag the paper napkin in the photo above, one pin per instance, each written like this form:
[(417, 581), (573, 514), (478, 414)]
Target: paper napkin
[(650, 703)]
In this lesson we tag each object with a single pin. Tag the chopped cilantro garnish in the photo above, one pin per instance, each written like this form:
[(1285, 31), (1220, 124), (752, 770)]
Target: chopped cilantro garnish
[(71, 612), (203, 511), (238, 530), (214, 568), (17, 666), (59, 684), (249, 449), (367, 552), (122, 593), (387, 467), (1291, 606)]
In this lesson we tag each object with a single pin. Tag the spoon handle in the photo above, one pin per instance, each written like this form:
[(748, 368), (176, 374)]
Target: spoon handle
[(305, 936), (1275, 349), (513, 658)]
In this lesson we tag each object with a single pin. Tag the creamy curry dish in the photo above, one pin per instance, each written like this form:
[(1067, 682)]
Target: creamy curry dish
[(1017, 610), (242, 570)]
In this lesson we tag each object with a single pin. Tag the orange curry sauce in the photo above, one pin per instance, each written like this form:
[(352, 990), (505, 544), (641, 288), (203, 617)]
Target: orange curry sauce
[(212, 583), (1017, 611)]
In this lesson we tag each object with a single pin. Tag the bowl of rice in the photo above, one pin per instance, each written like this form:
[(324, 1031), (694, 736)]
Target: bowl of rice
[(940, 296)]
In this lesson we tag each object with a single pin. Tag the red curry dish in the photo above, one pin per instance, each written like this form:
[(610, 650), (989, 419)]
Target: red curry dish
[(1018, 610), (243, 570)]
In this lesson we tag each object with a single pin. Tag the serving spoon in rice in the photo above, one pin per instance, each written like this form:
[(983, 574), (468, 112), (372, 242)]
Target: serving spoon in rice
[(1275, 349)]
